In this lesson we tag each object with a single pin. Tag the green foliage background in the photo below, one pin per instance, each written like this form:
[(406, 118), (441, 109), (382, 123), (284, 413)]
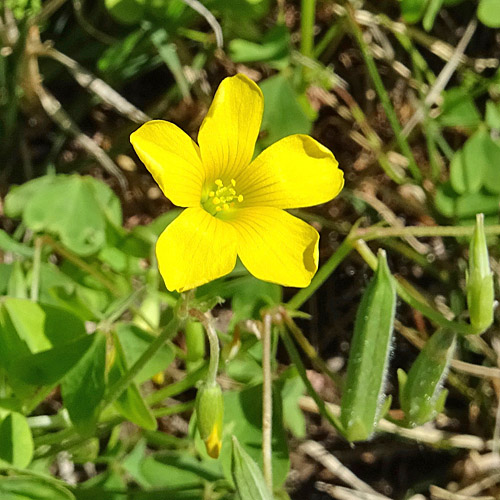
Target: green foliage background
[(98, 374)]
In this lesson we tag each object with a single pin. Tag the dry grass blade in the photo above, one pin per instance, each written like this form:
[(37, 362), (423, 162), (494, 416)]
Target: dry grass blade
[(32, 85), (477, 487), (100, 88), (442, 494), (443, 78), (330, 462), (427, 435), (347, 494), (56, 112)]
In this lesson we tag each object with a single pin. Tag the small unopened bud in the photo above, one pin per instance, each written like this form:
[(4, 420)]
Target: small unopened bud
[(209, 414), (480, 290)]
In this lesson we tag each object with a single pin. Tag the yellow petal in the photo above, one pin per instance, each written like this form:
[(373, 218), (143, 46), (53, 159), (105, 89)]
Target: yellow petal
[(275, 246), (228, 133), (173, 159), (296, 171), (213, 443), (194, 249)]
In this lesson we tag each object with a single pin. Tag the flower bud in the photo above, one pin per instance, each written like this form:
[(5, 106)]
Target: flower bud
[(480, 290), (209, 414)]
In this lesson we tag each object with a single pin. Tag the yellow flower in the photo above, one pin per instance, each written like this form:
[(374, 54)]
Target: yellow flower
[(234, 206)]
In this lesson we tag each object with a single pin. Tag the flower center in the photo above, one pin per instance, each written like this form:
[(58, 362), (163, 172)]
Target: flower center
[(221, 198)]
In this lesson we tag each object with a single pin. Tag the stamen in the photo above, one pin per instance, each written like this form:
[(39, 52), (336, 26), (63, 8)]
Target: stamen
[(221, 197)]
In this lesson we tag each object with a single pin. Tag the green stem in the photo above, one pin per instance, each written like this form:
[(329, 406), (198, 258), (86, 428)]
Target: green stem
[(213, 341), (171, 410), (309, 350), (383, 95), (307, 27), (321, 276), (35, 277), (63, 252), (121, 384), (267, 403), (295, 358), (177, 387), (373, 233)]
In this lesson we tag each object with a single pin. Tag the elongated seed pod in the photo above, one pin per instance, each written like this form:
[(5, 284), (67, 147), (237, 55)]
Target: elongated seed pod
[(420, 392), (480, 289), (363, 397)]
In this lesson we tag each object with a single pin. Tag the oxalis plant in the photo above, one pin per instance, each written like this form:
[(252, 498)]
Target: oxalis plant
[(86, 320)]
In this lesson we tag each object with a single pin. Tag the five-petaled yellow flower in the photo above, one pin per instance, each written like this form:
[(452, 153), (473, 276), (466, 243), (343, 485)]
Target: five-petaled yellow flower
[(234, 206)]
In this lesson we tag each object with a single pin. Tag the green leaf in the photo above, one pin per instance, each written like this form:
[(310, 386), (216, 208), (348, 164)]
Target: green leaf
[(493, 115), (39, 343), (19, 197), (130, 404), (169, 55), (431, 13), (9, 244), (17, 285), (275, 45), (48, 367), (459, 110), (5, 272), (413, 10), (281, 100), (126, 11), (481, 159), (134, 341), (247, 476), (363, 397), (459, 176), (293, 389), (421, 392), (488, 12), (32, 488), (176, 471), (75, 208), (465, 206), (83, 386), (16, 441)]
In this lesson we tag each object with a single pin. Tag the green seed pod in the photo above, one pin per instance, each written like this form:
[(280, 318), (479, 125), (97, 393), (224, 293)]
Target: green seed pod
[(209, 414), (480, 290), (420, 392), (195, 344), (363, 398)]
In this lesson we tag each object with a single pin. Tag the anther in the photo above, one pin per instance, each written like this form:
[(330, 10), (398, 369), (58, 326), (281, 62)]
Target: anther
[(216, 201), (219, 183)]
